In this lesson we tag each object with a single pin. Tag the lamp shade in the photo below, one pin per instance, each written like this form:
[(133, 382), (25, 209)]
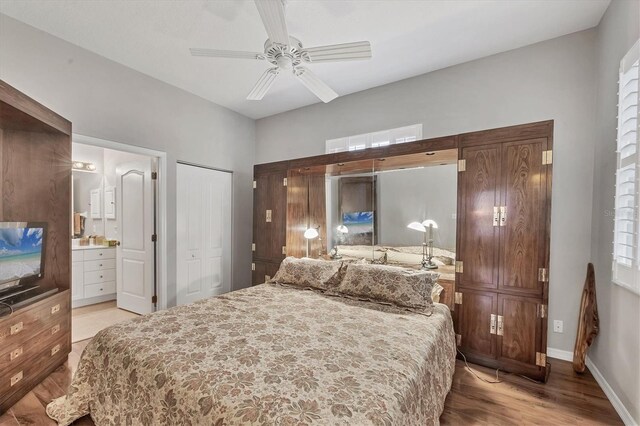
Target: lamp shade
[(430, 222), (417, 226), (343, 229), (311, 233)]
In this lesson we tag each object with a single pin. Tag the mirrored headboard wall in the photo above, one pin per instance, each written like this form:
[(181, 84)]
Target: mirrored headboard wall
[(398, 210)]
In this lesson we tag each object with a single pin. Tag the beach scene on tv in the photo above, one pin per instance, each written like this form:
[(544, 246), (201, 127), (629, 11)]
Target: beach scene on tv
[(20, 253)]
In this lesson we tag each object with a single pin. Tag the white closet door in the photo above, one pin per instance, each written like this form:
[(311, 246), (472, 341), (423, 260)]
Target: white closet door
[(204, 233)]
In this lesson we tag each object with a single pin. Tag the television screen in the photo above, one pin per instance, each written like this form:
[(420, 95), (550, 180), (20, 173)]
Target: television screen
[(21, 251)]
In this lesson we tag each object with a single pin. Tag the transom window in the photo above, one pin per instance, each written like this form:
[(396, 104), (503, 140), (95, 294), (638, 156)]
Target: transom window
[(375, 139)]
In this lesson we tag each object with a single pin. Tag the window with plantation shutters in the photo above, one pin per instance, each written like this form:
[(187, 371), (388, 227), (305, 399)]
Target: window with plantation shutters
[(626, 255)]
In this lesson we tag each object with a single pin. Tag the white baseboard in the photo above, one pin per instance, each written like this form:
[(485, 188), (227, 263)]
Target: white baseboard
[(560, 354), (608, 391)]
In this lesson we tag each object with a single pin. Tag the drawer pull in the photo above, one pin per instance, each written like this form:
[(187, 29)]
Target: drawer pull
[(55, 349), (101, 276), (99, 254), (55, 329), (17, 328), (16, 353), (15, 379), (55, 309), (101, 264)]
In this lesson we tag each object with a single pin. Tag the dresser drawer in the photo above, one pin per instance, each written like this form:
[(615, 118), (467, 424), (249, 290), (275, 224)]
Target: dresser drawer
[(101, 289), (26, 374), (95, 277), (99, 265), (15, 354), (25, 325), (97, 254)]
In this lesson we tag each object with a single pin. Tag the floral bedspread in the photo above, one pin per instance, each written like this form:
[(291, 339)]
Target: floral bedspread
[(266, 355)]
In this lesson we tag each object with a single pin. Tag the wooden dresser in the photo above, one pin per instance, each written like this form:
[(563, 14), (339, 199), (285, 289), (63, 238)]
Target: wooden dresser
[(33, 342), (35, 170)]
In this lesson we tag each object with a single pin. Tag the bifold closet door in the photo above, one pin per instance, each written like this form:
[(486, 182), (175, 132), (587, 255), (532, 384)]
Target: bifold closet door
[(203, 232)]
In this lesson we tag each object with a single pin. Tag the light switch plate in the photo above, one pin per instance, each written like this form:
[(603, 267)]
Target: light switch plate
[(557, 326)]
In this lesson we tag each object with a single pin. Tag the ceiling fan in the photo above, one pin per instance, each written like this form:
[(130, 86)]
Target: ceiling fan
[(288, 54)]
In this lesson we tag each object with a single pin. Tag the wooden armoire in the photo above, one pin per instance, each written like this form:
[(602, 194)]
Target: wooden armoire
[(35, 170), (269, 219), (504, 212), (503, 236)]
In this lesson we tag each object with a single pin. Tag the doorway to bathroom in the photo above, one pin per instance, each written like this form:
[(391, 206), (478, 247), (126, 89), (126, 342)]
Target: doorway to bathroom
[(116, 259)]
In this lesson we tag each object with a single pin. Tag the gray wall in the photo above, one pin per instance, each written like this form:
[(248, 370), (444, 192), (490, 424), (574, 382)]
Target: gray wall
[(406, 196), (549, 80), (616, 351), (106, 100)]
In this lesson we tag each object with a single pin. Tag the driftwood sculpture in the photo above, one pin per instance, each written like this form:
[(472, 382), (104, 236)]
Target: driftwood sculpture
[(588, 322)]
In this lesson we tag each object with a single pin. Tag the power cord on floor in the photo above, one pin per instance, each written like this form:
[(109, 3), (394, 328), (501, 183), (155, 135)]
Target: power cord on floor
[(497, 380), (8, 306), (472, 371)]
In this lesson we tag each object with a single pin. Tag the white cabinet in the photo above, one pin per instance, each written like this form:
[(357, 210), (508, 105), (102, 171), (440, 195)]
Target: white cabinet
[(95, 204), (110, 202), (77, 276), (93, 276)]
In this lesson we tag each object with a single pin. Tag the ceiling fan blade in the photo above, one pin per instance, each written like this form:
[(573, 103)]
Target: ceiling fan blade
[(214, 53), (315, 85), (263, 85), (273, 18), (338, 52)]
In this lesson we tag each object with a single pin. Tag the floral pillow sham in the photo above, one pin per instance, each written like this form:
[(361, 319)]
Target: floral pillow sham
[(308, 273), (407, 288)]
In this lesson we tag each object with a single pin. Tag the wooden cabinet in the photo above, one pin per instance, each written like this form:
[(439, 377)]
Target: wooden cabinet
[(269, 220), (503, 247), (35, 181)]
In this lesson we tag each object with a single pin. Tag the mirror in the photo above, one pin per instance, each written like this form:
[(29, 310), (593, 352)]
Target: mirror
[(397, 211), (370, 205)]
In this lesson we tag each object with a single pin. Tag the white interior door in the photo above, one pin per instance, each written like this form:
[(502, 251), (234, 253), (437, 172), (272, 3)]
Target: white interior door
[(204, 233), (135, 262)]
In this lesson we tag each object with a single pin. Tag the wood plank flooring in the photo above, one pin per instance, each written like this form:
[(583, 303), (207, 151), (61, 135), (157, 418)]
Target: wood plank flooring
[(567, 398)]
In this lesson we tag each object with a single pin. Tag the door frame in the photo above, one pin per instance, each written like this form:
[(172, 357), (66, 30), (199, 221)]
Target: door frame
[(161, 230), (233, 219)]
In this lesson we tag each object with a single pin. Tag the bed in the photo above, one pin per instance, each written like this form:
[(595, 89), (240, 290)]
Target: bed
[(270, 354)]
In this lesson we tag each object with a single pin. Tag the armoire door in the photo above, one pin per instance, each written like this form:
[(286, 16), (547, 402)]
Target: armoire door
[(203, 233), (478, 227), (269, 216), (523, 218), (519, 330), (476, 323)]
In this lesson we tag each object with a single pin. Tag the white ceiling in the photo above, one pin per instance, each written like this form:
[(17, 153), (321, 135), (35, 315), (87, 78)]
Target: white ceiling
[(408, 38)]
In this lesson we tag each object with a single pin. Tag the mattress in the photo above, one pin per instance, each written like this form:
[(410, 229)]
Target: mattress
[(269, 354)]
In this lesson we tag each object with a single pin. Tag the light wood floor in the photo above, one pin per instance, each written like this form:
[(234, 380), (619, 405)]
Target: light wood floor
[(88, 320), (566, 399)]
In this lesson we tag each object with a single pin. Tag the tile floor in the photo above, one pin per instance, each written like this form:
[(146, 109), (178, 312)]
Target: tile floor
[(88, 320)]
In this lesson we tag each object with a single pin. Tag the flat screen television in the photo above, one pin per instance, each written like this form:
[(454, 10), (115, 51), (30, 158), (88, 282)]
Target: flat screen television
[(22, 254)]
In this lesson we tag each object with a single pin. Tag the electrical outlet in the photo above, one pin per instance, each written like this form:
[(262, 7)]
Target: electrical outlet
[(557, 326)]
